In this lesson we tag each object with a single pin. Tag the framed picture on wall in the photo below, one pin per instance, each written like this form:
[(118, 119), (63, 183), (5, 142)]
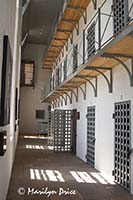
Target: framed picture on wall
[(40, 114), (27, 73), (3, 142), (6, 74)]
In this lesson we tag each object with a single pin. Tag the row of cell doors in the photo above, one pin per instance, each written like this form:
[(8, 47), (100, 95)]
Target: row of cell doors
[(65, 131), (122, 141)]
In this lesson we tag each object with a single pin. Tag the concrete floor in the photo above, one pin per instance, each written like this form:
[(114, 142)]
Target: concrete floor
[(58, 176)]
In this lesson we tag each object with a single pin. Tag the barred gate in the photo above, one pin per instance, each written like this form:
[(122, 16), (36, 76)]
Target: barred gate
[(122, 143), (90, 156), (62, 130)]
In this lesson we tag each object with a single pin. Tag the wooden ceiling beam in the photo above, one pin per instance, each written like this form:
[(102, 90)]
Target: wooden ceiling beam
[(69, 34), (75, 23), (56, 46), (55, 38), (65, 30), (65, 43), (81, 11)]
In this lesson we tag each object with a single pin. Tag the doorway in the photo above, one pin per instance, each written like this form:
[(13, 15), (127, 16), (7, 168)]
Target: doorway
[(74, 130), (90, 156)]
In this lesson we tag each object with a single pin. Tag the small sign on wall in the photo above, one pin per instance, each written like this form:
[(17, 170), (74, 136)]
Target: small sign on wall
[(78, 115)]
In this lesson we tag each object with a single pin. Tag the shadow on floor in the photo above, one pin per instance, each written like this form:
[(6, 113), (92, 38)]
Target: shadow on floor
[(39, 174)]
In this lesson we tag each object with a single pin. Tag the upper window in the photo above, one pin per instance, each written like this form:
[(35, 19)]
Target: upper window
[(27, 73)]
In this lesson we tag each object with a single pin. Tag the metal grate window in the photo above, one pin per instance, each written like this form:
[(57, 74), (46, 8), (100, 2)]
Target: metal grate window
[(62, 130), (75, 57), (91, 135), (91, 40), (120, 10), (122, 143)]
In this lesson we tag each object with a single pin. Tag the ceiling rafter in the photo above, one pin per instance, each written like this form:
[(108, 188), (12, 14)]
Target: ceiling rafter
[(81, 11), (68, 21), (69, 34), (75, 23)]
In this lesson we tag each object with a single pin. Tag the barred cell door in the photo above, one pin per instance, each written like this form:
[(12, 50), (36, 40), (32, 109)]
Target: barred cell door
[(90, 156), (91, 40), (62, 130), (122, 143)]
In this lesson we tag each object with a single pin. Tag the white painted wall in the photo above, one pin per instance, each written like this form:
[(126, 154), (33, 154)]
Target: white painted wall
[(10, 24), (29, 97)]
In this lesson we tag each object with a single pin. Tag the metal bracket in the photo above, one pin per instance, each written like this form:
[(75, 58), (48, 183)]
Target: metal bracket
[(62, 40), (93, 86), (70, 97), (83, 91), (67, 33), (75, 94), (75, 23), (65, 100), (60, 49), (81, 11), (115, 57), (108, 80), (95, 4), (58, 100), (55, 103), (78, 86), (52, 104)]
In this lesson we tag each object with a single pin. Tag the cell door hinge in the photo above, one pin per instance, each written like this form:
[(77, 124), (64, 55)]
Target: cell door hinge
[(113, 172), (113, 116)]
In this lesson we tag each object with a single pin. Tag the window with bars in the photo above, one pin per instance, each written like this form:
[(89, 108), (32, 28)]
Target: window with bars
[(91, 40), (27, 73), (120, 12), (75, 57)]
